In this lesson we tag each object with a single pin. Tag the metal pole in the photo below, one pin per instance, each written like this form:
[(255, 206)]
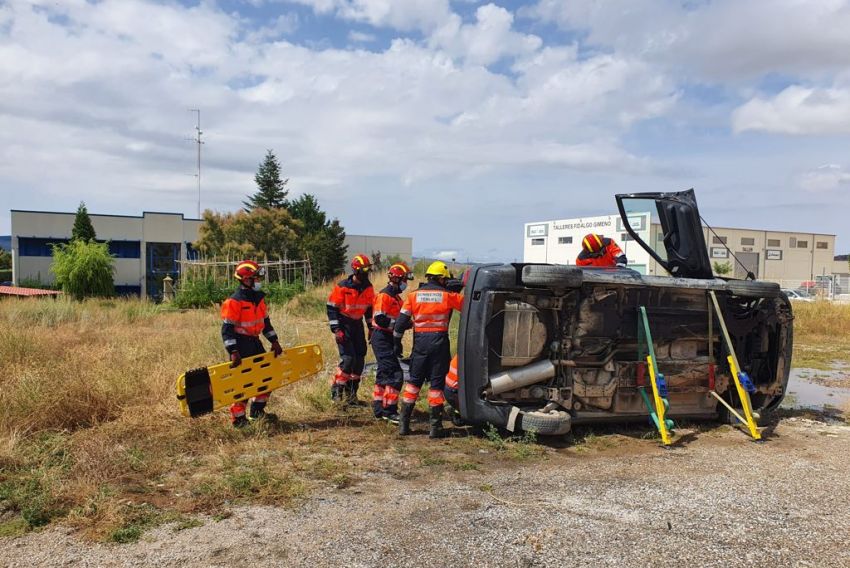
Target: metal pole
[(198, 142)]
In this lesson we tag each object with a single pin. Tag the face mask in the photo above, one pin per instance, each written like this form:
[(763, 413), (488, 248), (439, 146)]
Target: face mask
[(256, 286)]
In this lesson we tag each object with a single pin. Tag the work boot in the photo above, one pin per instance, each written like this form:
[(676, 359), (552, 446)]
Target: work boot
[(239, 422), (454, 415), (378, 409), (258, 412), (352, 387), (338, 393), (392, 417), (404, 419), (436, 421)]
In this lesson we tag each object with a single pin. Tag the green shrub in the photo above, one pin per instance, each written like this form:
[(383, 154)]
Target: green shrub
[(36, 283), (84, 269), (206, 292)]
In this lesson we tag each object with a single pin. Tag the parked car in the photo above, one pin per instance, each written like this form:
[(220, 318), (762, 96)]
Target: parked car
[(796, 296), (545, 346)]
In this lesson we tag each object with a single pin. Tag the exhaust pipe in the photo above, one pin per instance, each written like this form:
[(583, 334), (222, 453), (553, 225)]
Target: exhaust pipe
[(521, 376)]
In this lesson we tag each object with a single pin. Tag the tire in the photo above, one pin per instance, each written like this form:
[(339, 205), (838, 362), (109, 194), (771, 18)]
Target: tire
[(552, 423), (550, 275), (753, 288)]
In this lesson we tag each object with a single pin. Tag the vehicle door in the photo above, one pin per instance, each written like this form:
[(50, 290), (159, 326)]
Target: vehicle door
[(674, 238)]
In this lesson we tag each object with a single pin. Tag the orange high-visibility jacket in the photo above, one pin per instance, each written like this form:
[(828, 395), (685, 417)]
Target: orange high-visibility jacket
[(451, 376), (610, 255), (430, 309), (245, 313), (386, 308), (352, 300)]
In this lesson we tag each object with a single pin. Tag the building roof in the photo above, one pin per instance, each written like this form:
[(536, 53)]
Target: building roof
[(142, 216), (26, 292)]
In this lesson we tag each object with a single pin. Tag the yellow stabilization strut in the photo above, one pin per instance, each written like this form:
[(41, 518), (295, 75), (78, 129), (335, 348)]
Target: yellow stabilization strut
[(204, 390), (745, 400), (660, 408)]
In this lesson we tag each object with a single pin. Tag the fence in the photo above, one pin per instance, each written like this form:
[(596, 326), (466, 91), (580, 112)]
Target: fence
[(284, 271), (833, 287)]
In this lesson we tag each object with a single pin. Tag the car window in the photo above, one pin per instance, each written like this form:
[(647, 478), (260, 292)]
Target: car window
[(642, 217)]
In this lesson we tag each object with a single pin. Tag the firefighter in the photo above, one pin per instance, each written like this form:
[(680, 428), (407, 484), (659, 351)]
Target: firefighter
[(596, 250), (389, 377), (428, 310), (244, 316), (349, 301)]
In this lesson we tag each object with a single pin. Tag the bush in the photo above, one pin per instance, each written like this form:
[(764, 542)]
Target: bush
[(84, 269), (206, 292), (36, 283)]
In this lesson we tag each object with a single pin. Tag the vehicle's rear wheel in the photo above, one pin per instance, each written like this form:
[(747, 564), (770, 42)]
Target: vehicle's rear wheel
[(552, 423), (551, 275), (753, 288)]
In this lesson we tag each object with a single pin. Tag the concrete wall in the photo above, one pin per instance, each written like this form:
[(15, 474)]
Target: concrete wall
[(387, 246)]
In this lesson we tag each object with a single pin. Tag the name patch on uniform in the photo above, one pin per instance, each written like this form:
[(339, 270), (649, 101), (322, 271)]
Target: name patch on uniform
[(429, 297)]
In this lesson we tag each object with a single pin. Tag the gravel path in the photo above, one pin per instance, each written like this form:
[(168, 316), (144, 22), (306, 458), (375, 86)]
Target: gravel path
[(720, 500)]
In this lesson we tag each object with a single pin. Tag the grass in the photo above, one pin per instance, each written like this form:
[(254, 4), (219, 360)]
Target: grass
[(821, 334), (91, 434)]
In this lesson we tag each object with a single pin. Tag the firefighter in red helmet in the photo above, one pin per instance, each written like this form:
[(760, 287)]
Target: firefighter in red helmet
[(596, 250), (389, 376), (244, 317), (348, 304)]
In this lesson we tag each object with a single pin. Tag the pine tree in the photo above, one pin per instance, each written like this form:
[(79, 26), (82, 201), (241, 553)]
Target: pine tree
[(83, 229), (271, 189), (322, 241)]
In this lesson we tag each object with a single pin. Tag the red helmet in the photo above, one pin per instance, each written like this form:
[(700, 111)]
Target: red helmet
[(400, 271), (249, 269), (361, 263), (592, 243)]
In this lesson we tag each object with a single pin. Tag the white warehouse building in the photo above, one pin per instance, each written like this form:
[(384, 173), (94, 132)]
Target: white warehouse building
[(787, 257)]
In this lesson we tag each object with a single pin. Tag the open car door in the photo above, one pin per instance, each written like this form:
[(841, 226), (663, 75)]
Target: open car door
[(680, 245)]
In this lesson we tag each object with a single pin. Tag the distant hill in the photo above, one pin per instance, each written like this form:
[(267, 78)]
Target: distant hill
[(6, 242)]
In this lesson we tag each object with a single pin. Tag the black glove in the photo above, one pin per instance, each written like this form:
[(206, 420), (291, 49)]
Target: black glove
[(235, 359), (339, 334), (397, 347), (276, 348)]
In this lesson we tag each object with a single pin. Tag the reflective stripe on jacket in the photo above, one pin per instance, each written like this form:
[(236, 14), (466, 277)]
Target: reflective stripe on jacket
[(430, 309)]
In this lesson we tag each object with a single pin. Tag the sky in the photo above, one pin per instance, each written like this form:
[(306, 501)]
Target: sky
[(453, 122)]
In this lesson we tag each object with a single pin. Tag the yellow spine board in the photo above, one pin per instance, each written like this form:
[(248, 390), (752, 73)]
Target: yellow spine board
[(257, 374), (745, 400), (659, 404)]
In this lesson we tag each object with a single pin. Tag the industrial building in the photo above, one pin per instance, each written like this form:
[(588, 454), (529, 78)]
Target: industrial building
[(787, 257), (146, 248), (387, 247)]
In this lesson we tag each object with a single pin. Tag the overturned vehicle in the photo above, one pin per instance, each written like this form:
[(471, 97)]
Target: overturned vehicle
[(542, 347)]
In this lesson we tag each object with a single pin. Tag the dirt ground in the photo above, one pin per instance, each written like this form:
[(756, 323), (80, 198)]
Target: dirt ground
[(716, 499)]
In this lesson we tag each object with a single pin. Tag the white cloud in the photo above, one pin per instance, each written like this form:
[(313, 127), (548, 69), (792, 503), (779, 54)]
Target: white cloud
[(486, 41), (361, 37), (797, 110), (404, 15), (720, 39), (827, 177)]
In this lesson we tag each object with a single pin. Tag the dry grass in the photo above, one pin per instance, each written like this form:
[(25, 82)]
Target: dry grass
[(90, 431), (821, 334)]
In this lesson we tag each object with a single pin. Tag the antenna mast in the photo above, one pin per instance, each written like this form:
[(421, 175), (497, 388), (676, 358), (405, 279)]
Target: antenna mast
[(197, 140)]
